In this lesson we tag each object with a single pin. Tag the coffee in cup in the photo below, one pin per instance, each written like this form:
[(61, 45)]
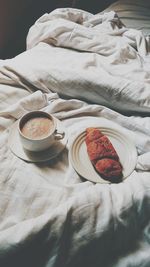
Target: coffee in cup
[(38, 131)]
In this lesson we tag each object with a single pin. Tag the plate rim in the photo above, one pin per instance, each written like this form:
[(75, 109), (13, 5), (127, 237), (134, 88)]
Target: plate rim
[(103, 128)]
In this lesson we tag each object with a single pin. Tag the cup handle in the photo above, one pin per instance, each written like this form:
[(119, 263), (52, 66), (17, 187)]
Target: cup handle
[(59, 135)]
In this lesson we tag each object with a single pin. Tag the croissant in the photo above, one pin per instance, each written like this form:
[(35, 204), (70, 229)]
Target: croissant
[(103, 155)]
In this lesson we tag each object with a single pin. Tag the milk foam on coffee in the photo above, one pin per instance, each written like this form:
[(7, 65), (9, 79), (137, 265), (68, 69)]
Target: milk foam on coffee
[(37, 128)]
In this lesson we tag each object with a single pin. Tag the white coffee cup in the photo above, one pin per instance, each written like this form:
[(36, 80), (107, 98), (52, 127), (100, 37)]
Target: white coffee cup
[(38, 131)]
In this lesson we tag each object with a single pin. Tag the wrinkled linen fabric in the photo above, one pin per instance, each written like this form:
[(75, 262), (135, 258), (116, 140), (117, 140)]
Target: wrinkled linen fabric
[(52, 217), (90, 57)]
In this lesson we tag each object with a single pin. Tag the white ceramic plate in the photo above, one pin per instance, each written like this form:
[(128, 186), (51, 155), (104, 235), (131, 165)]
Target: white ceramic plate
[(17, 149), (124, 147)]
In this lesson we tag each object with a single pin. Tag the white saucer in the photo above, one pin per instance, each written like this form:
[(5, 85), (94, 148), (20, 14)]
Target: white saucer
[(124, 147), (18, 150)]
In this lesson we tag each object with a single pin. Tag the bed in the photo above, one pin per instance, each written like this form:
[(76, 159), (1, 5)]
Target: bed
[(86, 70)]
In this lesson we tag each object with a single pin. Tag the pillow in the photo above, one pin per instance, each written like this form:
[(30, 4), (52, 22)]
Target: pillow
[(133, 13)]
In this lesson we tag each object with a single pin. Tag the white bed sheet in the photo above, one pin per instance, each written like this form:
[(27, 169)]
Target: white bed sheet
[(49, 212), (49, 215), (89, 57)]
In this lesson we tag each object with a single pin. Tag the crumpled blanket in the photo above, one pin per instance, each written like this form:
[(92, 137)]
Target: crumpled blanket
[(70, 52), (50, 216)]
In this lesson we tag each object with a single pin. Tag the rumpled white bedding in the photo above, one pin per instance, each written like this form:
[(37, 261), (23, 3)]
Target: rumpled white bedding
[(49, 215), (89, 57)]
